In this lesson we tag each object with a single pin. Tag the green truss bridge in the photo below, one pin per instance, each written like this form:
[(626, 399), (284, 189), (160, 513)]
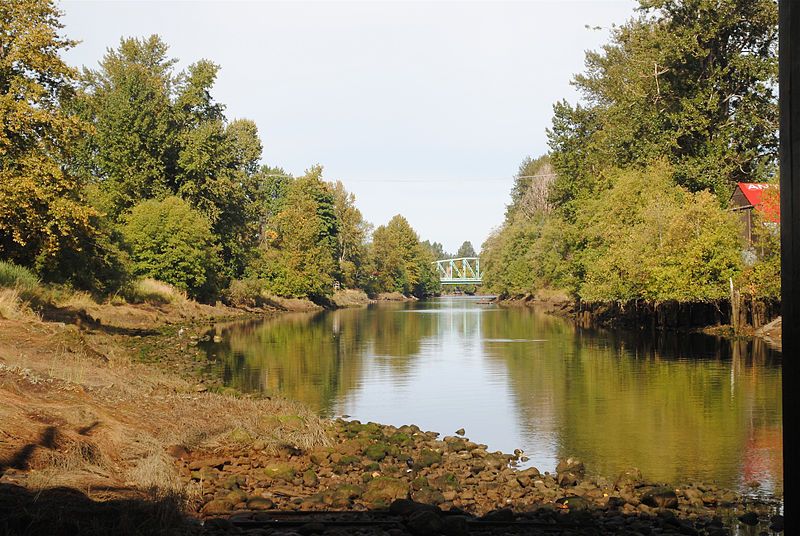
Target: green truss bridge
[(461, 271)]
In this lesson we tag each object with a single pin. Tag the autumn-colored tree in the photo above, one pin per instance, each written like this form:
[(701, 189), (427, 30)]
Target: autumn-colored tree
[(44, 220)]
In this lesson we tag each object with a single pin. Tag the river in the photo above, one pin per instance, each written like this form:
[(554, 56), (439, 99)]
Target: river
[(682, 408)]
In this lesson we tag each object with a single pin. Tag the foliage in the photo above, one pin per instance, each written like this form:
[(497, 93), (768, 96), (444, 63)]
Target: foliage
[(352, 235), (172, 242), (45, 222), (692, 81), (466, 250), (152, 291), (298, 257), (649, 239), (18, 277), (761, 278), (401, 263)]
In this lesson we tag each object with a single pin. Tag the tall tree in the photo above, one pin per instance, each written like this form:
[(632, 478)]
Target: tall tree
[(352, 237), (466, 250), (44, 220), (402, 264)]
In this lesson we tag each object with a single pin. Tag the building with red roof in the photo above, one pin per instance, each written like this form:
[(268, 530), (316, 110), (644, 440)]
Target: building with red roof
[(755, 197)]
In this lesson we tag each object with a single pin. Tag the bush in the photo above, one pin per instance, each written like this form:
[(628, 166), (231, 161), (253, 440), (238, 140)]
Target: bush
[(154, 292), (172, 242), (17, 277), (248, 292)]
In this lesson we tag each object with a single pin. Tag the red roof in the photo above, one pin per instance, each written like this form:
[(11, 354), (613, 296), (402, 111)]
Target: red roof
[(769, 205)]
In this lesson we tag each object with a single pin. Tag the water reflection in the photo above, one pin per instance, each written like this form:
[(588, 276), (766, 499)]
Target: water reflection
[(681, 408)]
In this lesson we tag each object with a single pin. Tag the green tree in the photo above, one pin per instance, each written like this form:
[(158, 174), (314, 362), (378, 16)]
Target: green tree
[(45, 221), (692, 81), (172, 242), (466, 250), (299, 255), (401, 263), (352, 235)]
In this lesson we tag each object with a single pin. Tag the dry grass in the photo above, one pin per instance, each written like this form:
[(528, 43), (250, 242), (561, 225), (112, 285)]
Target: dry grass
[(156, 293), (12, 307)]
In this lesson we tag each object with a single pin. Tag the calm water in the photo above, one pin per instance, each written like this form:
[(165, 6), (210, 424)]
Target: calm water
[(681, 408)]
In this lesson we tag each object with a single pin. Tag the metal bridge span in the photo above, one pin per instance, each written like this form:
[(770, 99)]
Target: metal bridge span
[(460, 271)]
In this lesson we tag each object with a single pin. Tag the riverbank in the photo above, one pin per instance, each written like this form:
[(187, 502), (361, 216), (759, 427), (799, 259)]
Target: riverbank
[(116, 407)]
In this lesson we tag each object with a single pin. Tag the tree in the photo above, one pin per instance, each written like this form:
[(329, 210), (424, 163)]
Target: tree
[(352, 235), (172, 242), (692, 81), (45, 221), (466, 250), (402, 264), (298, 257)]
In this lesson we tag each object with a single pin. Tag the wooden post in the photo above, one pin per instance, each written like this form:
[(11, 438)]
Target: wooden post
[(789, 101)]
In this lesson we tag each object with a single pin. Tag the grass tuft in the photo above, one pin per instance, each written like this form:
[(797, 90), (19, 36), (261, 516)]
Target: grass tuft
[(155, 292), (17, 277)]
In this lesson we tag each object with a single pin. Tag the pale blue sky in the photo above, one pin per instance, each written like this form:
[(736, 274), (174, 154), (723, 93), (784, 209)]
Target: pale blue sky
[(424, 109)]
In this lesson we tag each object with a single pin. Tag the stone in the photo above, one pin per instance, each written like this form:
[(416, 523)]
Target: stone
[(218, 524), (376, 451), (503, 515), (776, 523), (260, 503), (217, 506), (662, 497), (428, 495), (383, 490), (574, 503), (310, 478), (749, 518), (424, 523), (461, 432), (236, 496), (628, 478), (279, 471), (570, 465), (426, 458)]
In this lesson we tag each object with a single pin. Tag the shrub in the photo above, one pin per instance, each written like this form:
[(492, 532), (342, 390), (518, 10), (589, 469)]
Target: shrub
[(248, 292), (172, 242), (154, 292), (17, 277)]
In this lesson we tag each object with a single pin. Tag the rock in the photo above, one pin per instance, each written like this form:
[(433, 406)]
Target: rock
[(629, 478), (217, 506), (260, 503), (344, 494), (662, 497), (310, 478), (200, 388), (575, 503), (428, 495), (424, 523), (504, 515), (376, 451), (461, 432), (455, 526), (749, 518), (383, 490), (426, 458), (776, 523), (236, 496), (571, 465), (279, 471)]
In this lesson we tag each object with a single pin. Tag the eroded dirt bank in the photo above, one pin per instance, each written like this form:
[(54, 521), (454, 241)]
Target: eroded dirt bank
[(109, 426)]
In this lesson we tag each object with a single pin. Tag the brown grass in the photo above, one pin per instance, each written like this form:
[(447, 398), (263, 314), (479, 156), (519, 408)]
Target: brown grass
[(12, 307), (156, 292)]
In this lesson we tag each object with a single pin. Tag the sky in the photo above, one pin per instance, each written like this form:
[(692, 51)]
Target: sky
[(424, 109)]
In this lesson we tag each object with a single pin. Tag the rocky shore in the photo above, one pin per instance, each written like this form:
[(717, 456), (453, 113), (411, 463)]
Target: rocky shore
[(404, 480)]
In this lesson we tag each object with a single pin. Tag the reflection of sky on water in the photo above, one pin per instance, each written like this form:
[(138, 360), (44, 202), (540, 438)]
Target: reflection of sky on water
[(689, 408)]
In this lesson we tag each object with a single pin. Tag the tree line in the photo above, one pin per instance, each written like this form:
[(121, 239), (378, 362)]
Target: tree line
[(630, 203), (133, 170)]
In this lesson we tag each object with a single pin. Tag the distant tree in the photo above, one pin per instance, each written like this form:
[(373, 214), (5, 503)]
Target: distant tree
[(436, 249), (172, 242), (352, 235), (299, 255), (466, 250), (401, 262)]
